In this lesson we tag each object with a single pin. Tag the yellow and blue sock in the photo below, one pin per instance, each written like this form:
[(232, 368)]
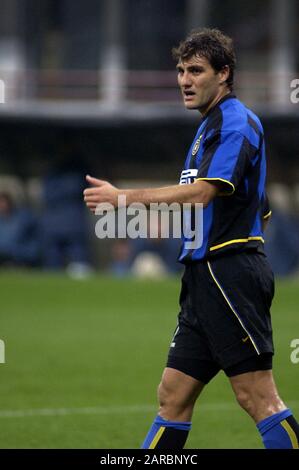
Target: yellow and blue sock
[(166, 434), (280, 431)]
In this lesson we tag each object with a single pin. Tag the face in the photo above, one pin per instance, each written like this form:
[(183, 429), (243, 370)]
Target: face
[(200, 84)]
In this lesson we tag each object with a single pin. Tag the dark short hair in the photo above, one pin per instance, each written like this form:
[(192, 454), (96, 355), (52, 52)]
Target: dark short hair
[(212, 44)]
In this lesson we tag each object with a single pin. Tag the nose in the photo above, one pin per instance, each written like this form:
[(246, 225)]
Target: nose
[(185, 79)]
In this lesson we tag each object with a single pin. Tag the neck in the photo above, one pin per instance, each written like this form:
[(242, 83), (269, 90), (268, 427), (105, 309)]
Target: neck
[(213, 103)]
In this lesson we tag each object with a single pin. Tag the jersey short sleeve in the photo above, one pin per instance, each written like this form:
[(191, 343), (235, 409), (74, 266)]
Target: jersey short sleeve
[(224, 160)]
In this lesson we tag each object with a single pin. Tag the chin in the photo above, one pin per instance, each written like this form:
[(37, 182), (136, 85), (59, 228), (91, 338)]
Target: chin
[(191, 106)]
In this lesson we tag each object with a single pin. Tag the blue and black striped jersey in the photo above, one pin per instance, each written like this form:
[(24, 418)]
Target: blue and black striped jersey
[(229, 148)]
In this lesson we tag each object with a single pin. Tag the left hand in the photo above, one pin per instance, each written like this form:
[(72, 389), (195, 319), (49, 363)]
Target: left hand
[(101, 191)]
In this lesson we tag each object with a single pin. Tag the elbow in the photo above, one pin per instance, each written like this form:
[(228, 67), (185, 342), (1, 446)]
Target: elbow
[(200, 199), (204, 198), (205, 193), (206, 202)]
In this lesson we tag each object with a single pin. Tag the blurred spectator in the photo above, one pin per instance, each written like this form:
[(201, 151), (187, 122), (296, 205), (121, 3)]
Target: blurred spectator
[(19, 241), (282, 243), (121, 257), (153, 256), (64, 218)]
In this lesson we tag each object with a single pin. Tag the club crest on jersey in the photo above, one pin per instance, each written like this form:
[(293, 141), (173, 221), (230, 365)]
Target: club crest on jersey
[(196, 145), (188, 176)]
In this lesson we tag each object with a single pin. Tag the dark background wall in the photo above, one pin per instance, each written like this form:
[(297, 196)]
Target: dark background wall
[(122, 149)]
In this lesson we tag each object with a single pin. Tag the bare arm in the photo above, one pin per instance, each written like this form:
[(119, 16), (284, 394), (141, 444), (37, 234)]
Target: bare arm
[(103, 192)]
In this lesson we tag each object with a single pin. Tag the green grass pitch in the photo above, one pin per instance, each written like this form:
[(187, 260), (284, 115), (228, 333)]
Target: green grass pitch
[(83, 360)]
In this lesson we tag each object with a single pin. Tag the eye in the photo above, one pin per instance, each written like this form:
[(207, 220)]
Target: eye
[(196, 70)]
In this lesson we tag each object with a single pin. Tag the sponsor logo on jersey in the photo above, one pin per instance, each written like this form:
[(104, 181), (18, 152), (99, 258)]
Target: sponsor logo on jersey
[(188, 176)]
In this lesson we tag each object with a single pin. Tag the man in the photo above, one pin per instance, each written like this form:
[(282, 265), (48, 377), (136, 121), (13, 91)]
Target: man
[(227, 287)]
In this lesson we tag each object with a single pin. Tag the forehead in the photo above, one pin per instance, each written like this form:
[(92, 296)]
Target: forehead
[(195, 60)]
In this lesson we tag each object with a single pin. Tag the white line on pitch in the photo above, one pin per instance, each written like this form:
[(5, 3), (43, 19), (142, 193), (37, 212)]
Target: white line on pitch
[(106, 410)]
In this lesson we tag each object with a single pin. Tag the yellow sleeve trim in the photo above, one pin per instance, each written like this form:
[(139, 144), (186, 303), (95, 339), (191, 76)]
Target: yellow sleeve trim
[(267, 215), (237, 240), (223, 181)]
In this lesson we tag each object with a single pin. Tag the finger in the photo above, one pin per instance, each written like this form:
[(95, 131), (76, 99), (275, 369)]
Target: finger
[(95, 181), (91, 205), (91, 198), (90, 191), (92, 194)]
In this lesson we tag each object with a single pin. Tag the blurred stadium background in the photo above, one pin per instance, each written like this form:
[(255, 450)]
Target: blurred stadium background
[(90, 87)]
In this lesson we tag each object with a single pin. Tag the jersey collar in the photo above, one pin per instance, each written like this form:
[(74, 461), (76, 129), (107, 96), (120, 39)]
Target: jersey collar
[(224, 98)]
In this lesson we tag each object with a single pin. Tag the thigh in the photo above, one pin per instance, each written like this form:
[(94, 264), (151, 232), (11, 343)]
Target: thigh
[(257, 384), (237, 295), (190, 353), (190, 350)]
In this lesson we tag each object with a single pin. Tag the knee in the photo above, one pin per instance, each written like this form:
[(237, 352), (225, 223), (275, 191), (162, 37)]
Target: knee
[(167, 395), (173, 403), (246, 401), (259, 403)]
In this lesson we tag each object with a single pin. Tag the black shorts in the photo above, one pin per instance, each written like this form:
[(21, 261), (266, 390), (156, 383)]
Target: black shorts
[(224, 322)]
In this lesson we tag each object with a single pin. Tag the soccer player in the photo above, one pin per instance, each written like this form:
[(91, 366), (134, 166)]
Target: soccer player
[(227, 287)]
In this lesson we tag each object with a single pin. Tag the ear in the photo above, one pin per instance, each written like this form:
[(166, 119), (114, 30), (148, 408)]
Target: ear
[(223, 74)]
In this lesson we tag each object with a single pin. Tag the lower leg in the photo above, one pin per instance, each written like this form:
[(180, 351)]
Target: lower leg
[(279, 431), (177, 395), (166, 434), (256, 392)]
